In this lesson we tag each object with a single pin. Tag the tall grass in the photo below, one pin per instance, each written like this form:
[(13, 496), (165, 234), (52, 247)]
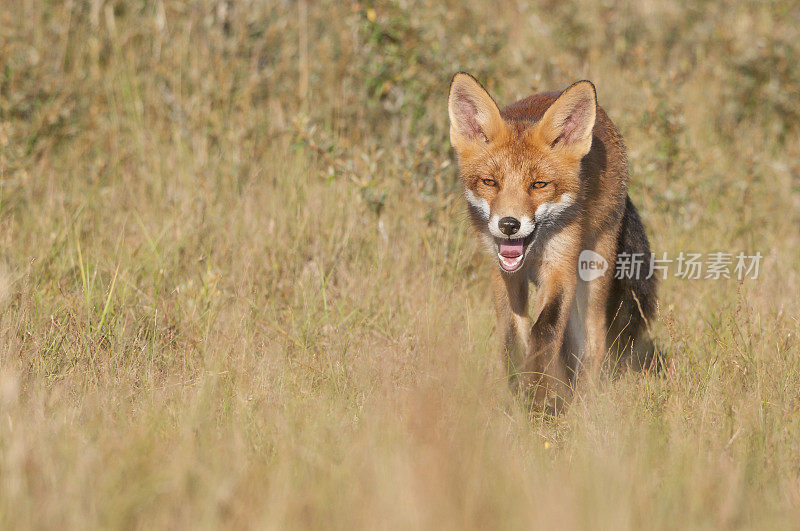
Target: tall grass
[(237, 286)]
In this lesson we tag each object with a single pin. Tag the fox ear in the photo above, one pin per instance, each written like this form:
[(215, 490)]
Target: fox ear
[(568, 123), (474, 116)]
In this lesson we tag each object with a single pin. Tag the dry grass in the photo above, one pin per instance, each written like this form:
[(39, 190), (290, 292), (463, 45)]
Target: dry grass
[(237, 287)]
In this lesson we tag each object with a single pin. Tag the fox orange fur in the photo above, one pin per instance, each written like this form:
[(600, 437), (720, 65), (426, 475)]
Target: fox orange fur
[(546, 178)]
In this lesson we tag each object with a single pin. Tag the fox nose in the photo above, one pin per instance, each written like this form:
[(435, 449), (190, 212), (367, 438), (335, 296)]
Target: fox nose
[(508, 225)]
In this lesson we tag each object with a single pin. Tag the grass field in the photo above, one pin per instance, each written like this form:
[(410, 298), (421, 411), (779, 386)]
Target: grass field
[(238, 289)]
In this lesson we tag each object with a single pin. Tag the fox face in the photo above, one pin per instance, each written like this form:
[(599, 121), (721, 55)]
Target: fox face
[(519, 177)]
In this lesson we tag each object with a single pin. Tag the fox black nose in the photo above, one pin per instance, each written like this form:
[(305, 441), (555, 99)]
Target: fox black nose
[(509, 226)]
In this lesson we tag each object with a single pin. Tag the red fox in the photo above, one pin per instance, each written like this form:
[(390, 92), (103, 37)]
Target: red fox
[(546, 179)]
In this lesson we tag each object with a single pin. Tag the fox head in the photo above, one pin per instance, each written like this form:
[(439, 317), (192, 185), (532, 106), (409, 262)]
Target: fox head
[(519, 175)]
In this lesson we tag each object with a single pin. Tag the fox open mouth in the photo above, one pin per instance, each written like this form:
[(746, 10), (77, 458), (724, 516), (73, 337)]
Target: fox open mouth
[(511, 252)]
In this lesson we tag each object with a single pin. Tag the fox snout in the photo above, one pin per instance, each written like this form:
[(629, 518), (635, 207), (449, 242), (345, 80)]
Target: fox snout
[(510, 226), (512, 238)]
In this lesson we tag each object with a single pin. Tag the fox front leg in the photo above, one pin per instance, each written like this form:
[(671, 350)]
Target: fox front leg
[(544, 374), (511, 306)]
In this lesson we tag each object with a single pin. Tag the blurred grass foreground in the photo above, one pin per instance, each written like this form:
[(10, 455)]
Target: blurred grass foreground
[(237, 288)]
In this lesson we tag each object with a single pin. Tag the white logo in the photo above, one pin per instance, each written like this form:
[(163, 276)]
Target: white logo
[(591, 265)]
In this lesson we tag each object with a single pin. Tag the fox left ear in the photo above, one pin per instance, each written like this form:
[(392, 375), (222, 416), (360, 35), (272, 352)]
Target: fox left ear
[(568, 123), (474, 116)]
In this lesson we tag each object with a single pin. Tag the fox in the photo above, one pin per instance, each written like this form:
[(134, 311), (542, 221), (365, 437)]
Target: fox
[(545, 179)]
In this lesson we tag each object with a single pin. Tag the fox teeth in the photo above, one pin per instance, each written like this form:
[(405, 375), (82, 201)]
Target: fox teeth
[(511, 263)]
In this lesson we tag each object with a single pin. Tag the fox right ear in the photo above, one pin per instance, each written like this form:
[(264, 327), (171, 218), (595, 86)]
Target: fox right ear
[(567, 125), (474, 116)]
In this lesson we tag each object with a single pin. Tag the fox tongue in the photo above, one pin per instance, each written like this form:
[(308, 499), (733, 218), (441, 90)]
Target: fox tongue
[(510, 254), (511, 248)]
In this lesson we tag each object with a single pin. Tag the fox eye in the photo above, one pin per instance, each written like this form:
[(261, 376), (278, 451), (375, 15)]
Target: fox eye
[(489, 182), (539, 184)]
